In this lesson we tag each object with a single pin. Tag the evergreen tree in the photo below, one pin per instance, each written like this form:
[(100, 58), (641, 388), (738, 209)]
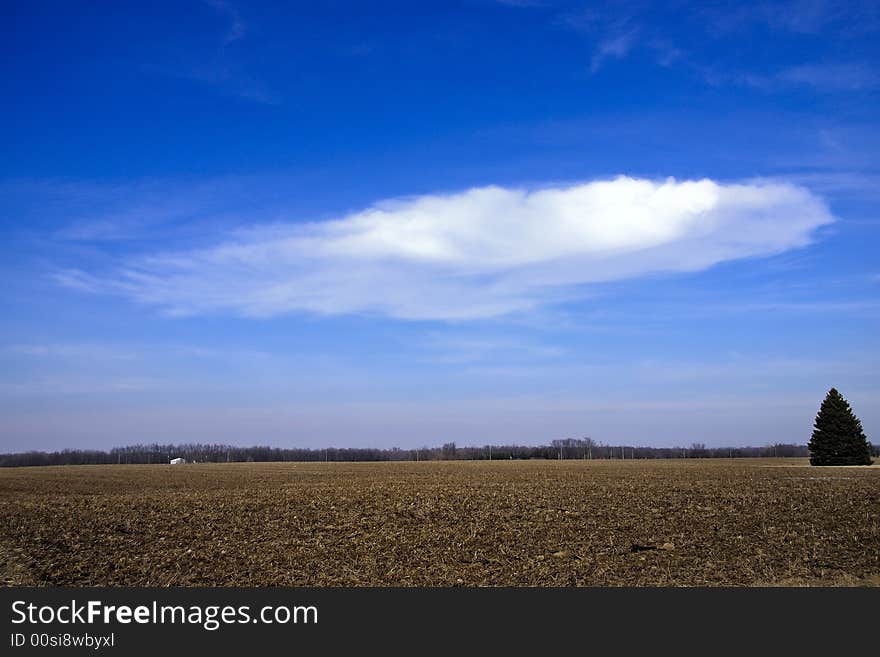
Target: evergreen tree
[(838, 438)]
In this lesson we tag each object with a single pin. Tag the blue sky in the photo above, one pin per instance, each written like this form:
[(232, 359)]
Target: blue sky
[(401, 224)]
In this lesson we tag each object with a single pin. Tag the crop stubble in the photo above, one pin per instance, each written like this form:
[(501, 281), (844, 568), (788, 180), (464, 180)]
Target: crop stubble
[(532, 523)]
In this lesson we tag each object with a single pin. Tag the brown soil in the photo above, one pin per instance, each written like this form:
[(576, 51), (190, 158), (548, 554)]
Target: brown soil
[(534, 523)]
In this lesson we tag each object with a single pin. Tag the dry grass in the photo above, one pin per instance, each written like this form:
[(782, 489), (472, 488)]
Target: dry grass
[(537, 523)]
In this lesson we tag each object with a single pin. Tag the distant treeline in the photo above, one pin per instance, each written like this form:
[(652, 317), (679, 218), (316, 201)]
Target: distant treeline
[(570, 448)]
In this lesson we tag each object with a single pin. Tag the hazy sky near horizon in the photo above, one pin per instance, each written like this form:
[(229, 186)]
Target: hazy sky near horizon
[(352, 224)]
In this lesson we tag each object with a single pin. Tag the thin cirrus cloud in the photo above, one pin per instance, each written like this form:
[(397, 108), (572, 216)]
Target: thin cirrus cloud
[(613, 48), (480, 253), (839, 77), (237, 27), (830, 78)]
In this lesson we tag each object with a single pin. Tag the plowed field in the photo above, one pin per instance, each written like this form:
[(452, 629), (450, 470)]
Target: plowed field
[(533, 523)]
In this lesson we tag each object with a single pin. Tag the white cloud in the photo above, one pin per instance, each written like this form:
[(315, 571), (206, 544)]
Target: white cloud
[(483, 252)]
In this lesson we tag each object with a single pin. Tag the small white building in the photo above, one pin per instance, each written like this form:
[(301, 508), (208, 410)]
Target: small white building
[(177, 461)]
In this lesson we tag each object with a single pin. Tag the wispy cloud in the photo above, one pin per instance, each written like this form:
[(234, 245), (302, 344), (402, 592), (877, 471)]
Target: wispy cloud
[(217, 70), (796, 16), (142, 210), (612, 48), (483, 252), (666, 52), (840, 184), (615, 26), (82, 385), (838, 77), (718, 419), (613, 31), (214, 62), (522, 3), (463, 349), (832, 77), (77, 351), (237, 26)]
